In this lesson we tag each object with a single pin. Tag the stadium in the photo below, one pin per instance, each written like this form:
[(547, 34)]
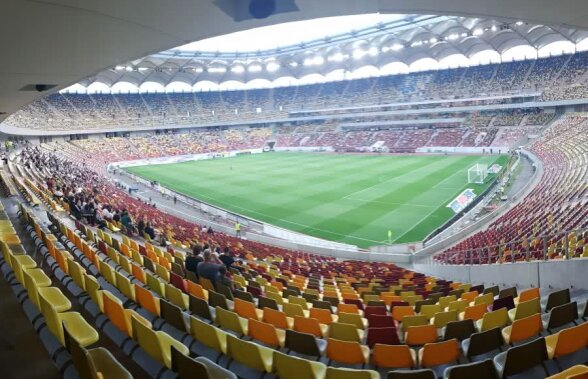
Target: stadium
[(294, 189)]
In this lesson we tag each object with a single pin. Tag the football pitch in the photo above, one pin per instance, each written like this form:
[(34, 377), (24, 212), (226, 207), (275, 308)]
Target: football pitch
[(353, 199)]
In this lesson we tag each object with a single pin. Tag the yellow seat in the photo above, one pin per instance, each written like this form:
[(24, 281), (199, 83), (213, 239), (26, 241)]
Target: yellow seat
[(349, 373), (290, 367), (156, 343), (408, 321), (125, 286), (78, 327), (353, 318), (250, 354), (176, 296), (345, 332), (574, 372), (441, 319), (208, 335), (231, 321), (93, 290), (429, 310), (155, 284), (293, 310), (525, 309), (496, 319)]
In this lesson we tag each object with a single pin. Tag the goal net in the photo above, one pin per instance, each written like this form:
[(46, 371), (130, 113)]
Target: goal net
[(477, 173)]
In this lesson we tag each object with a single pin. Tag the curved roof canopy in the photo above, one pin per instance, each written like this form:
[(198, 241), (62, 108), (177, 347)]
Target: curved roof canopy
[(325, 45)]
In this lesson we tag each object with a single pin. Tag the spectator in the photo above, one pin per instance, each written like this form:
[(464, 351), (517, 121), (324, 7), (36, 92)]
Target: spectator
[(208, 269), (227, 258), (126, 220), (141, 227), (149, 230), (193, 259), (223, 278)]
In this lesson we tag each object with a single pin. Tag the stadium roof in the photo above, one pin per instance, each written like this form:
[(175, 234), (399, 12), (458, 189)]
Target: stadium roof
[(50, 44), (345, 43)]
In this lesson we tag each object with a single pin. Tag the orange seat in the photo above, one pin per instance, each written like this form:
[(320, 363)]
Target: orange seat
[(347, 352), (475, 312), (324, 316), (310, 326), (277, 319), (529, 294), (196, 290), (567, 341), (393, 356), (402, 310), (348, 308), (523, 329), (420, 335), (138, 273), (266, 333), (247, 310), (439, 353), (469, 296), (146, 300)]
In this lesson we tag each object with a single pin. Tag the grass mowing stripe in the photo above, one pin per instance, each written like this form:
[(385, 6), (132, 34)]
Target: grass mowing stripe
[(310, 192)]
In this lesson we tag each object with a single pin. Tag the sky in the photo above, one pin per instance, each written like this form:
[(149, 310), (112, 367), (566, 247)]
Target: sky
[(288, 34)]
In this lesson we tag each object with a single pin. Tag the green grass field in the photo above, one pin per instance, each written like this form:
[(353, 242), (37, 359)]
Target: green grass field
[(353, 199)]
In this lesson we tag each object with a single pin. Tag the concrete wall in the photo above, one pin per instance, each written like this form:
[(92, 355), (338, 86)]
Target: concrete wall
[(546, 275)]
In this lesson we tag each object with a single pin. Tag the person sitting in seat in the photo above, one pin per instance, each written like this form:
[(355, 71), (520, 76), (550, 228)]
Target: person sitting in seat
[(194, 259), (149, 230), (209, 269)]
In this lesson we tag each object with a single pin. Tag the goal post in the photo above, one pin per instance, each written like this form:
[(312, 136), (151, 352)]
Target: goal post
[(477, 173)]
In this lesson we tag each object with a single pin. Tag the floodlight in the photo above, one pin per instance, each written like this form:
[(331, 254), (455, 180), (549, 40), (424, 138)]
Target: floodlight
[(397, 46), (237, 69), (272, 67), (254, 68)]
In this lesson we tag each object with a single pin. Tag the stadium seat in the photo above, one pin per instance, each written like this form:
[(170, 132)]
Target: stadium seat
[(277, 318), (231, 321), (200, 367), (146, 300), (557, 298), (441, 319), (560, 316), (523, 329), (439, 353), (199, 307), (420, 335), (119, 316), (567, 341), (345, 332), (310, 326), (157, 344), (89, 362), (80, 330), (247, 310), (525, 309), (209, 335), (459, 330), (521, 358), (304, 343), (250, 354), (479, 370), (348, 373), (412, 374), (386, 336), (474, 312), (289, 367), (574, 372), (494, 319), (393, 356), (482, 343), (266, 333), (347, 352)]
